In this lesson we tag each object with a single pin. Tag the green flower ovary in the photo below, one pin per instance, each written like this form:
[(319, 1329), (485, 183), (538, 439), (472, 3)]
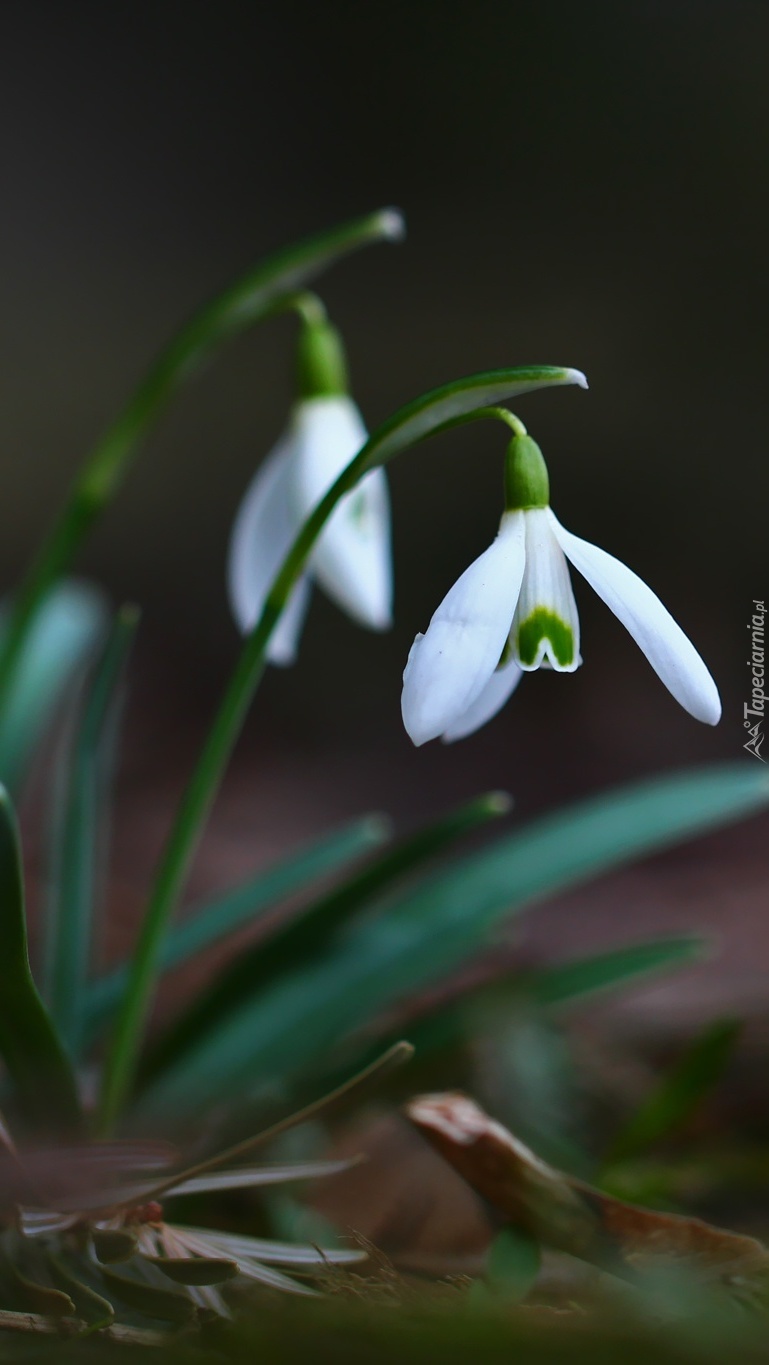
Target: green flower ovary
[(321, 362), (540, 625), (527, 485)]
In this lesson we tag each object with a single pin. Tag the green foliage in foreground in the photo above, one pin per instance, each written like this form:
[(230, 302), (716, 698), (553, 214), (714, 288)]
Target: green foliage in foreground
[(345, 1331), (404, 939)]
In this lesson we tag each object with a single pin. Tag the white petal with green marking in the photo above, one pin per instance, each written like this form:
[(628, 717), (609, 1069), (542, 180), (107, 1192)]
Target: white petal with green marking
[(546, 624)]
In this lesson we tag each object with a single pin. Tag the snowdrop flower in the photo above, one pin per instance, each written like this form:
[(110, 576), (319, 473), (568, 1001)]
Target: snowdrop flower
[(513, 611), (352, 557)]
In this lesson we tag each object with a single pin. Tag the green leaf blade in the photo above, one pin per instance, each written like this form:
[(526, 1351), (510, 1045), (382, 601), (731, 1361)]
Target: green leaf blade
[(207, 924), (80, 831), (164, 1304), (71, 622), (417, 939), (453, 403), (680, 1093), (566, 982), (37, 1064), (308, 934)]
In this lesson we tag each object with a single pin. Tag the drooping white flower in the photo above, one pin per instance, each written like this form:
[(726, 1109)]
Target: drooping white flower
[(352, 557), (513, 611)]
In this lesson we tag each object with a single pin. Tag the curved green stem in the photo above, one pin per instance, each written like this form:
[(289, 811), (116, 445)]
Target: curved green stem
[(427, 416), (259, 294), (495, 414)]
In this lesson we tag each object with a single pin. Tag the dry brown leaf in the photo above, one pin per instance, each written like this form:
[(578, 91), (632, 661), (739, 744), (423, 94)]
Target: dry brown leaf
[(567, 1214)]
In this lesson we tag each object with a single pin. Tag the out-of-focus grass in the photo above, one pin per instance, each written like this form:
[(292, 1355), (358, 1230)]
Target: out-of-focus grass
[(345, 1332)]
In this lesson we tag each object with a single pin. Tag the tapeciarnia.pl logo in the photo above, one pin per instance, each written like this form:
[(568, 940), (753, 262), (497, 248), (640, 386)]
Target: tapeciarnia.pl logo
[(753, 711)]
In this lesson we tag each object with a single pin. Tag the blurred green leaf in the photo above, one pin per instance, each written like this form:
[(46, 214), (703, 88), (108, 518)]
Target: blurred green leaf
[(90, 1306), (308, 933), (163, 1304), (205, 925), (679, 1094), (553, 986), (513, 1264), (30, 1046), (569, 981), (418, 938), (67, 629), (682, 1178), (80, 835), (34, 1296)]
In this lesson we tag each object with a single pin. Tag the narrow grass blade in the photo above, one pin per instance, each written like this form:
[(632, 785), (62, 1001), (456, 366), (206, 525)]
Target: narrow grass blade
[(416, 939), (207, 924), (29, 1044), (80, 834), (679, 1094), (70, 623), (309, 933), (570, 981)]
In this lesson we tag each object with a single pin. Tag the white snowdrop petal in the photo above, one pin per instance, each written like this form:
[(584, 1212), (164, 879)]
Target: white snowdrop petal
[(327, 433), (352, 559), (284, 641), (670, 652), (546, 626), (450, 665), (498, 689), (264, 530)]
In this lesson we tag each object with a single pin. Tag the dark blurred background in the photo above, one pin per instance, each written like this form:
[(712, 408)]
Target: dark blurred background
[(584, 184)]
